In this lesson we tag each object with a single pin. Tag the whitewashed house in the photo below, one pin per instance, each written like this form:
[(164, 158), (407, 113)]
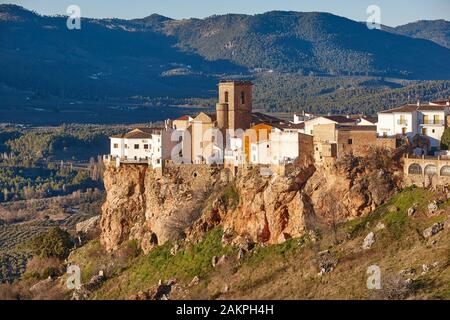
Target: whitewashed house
[(143, 145), (398, 121), (410, 120), (260, 152), (341, 120), (284, 146), (367, 121), (234, 154)]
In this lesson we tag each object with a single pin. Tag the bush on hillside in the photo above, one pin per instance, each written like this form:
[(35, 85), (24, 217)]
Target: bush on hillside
[(53, 243)]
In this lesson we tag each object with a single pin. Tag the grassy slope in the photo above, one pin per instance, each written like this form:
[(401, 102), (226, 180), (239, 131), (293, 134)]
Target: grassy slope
[(289, 271)]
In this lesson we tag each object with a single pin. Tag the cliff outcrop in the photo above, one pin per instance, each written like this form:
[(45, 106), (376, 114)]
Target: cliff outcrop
[(190, 200)]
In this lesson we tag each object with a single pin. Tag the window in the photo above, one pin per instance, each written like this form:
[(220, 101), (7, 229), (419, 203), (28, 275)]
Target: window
[(402, 119), (158, 161), (403, 131), (350, 141), (136, 146), (433, 131), (268, 146), (385, 134), (242, 97), (126, 146), (226, 96), (146, 146), (436, 119), (424, 131), (116, 145)]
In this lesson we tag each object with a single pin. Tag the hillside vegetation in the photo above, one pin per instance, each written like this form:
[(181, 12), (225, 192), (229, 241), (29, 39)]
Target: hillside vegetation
[(412, 267)]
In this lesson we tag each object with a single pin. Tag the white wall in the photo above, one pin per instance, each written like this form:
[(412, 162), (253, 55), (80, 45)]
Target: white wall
[(434, 131), (391, 124), (309, 124), (284, 146), (260, 152)]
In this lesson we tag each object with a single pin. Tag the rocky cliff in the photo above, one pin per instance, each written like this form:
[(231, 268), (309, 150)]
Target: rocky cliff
[(190, 200)]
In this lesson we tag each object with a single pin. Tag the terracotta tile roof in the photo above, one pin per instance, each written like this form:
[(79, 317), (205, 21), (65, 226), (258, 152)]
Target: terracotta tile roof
[(258, 117), (431, 108), (339, 119), (441, 102), (183, 118), (405, 108), (415, 107), (139, 133), (358, 128), (370, 119), (285, 126)]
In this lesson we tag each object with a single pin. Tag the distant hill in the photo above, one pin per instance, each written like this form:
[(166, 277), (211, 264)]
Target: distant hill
[(434, 30), (159, 57), (310, 43)]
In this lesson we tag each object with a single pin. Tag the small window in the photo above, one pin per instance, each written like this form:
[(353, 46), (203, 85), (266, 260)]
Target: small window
[(146, 146), (126, 146), (268, 146), (242, 97), (136, 146), (350, 141), (116, 145), (158, 161), (226, 96), (433, 131)]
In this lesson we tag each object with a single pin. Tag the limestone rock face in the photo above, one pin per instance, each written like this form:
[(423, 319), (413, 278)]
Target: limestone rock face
[(271, 209), (189, 200), (143, 206)]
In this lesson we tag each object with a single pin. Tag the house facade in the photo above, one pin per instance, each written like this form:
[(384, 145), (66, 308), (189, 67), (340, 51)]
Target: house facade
[(427, 120), (144, 145)]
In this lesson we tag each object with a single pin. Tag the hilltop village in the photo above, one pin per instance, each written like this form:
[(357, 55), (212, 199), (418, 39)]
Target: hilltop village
[(235, 137)]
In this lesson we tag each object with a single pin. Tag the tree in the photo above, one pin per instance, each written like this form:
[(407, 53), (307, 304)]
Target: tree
[(53, 243), (445, 140)]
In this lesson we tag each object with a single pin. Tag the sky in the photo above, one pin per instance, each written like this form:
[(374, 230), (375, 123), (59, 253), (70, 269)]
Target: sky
[(393, 12)]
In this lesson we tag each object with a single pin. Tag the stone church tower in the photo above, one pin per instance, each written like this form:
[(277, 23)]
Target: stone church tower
[(234, 110)]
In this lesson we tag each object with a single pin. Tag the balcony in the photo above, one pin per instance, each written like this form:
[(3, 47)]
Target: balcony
[(432, 122)]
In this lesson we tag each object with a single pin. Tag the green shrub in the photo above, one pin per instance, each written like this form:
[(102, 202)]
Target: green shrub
[(53, 243)]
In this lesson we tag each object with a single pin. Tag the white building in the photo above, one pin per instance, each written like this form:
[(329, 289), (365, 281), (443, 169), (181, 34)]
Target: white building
[(367, 121), (234, 154), (341, 120), (284, 146), (260, 152), (427, 120), (143, 145), (300, 118)]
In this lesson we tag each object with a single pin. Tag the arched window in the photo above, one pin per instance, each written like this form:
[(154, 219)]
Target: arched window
[(445, 171), (430, 170), (226, 96), (242, 97), (415, 169)]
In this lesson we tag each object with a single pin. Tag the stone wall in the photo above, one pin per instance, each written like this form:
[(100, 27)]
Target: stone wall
[(426, 171)]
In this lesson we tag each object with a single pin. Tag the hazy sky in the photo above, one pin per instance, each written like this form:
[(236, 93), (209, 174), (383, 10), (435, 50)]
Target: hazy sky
[(393, 12)]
